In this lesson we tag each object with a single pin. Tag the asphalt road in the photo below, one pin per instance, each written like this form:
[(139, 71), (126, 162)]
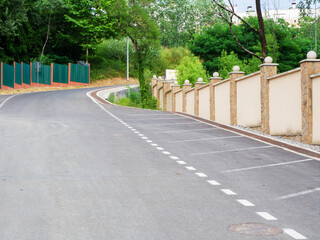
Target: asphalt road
[(73, 169)]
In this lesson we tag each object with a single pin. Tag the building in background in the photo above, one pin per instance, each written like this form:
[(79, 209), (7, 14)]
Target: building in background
[(290, 15)]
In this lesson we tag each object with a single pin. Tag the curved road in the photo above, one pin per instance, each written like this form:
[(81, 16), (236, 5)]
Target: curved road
[(75, 169)]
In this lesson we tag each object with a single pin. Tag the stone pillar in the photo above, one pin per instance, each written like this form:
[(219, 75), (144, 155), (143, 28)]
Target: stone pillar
[(175, 87), (159, 87), (166, 89), (233, 93), (309, 67), (153, 85), (267, 69), (185, 87), (213, 80), (197, 85)]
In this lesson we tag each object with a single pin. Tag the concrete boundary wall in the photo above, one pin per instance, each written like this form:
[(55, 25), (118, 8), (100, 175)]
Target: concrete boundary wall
[(204, 102), (286, 104), (190, 102), (249, 100), (316, 109)]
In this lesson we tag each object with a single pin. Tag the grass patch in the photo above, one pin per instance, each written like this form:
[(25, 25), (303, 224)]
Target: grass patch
[(133, 99)]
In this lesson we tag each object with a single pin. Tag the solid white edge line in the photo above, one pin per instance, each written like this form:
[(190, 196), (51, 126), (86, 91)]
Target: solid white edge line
[(266, 166), (298, 194), (292, 233), (7, 99)]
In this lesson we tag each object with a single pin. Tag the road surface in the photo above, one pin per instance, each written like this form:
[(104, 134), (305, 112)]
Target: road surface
[(74, 169)]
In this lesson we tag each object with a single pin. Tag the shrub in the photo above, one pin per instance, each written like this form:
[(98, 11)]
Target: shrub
[(191, 68)]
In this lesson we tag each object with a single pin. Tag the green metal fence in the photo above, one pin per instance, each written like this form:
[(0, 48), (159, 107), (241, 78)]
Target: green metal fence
[(43, 76), (26, 73), (60, 73), (8, 75), (0, 78), (18, 76), (79, 73)]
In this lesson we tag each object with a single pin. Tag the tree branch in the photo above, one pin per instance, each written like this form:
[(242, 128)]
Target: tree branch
[(232, 12), (236, 39)]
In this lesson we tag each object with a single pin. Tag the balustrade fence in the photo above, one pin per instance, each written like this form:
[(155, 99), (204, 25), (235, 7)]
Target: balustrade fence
[(22, 75), (286, 104)]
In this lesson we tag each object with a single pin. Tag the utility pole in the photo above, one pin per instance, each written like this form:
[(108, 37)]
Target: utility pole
[(127, 53), (315, 25)]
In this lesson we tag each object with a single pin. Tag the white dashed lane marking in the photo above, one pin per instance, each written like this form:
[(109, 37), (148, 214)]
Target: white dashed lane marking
[(228, 191), (201, 174), (213, 182), (267, 216), (181, 162), (159, 148), (245, 203), (191, 168), (154, 144), (292, 233), (149, 141), (166, 152), (174, 157)]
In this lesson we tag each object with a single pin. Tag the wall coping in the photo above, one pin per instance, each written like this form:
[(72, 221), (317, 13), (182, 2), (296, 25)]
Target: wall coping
[(221, 82), (315, 75), (236, 72), (180, 90), (247, 76), (269, 64), (309, 60), (190, 90), (170, 90), (284, 73), (204, 86)]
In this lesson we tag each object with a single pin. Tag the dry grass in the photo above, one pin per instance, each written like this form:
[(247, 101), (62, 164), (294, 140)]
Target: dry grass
[(99, 83)]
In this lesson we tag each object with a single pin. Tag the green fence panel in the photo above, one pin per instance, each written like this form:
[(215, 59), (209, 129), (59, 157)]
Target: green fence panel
[(46, 74), (79, 73), (26, 73), (43, 76), (0, 78), (18, 73), (8, 75), (60, 73)]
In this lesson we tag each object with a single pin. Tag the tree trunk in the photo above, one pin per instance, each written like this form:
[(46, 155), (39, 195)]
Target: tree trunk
[(47, 38), (142, 82), (87, 55), (261, 31)]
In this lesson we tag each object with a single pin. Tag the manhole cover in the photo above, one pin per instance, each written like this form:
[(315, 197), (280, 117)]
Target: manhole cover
[(255, 229)]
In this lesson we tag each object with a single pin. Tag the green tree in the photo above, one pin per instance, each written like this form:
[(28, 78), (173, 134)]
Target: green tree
[(134, 21), (90, 21)]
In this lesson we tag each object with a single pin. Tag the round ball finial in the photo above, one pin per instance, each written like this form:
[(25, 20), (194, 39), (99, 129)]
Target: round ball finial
[(268, 59), (160, 78), (175, 82), (312, 55), (236, 68), (186, 82), (215, 74), (154, 76), (200, 80)]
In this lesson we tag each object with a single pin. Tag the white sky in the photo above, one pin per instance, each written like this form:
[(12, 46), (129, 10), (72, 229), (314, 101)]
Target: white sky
[(270, 4)]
